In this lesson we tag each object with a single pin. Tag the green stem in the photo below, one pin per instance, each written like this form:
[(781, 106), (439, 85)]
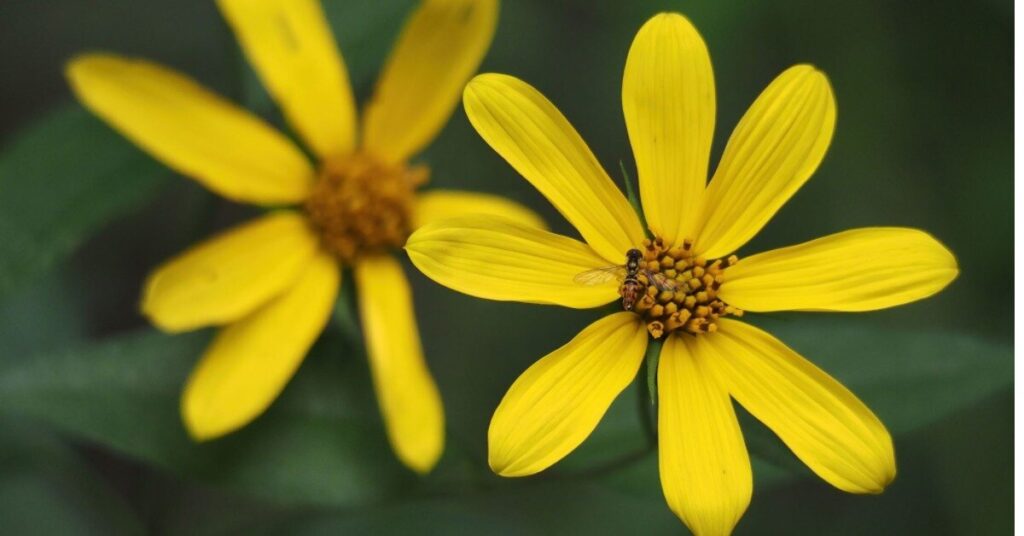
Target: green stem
[(345, 312), (648, 391), (651, 360)]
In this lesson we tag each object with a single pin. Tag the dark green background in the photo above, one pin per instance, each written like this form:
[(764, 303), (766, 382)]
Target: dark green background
[(90, 440)]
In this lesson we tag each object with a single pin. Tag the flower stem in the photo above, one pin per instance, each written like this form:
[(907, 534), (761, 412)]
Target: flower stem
[(648, 391), (345, 314)]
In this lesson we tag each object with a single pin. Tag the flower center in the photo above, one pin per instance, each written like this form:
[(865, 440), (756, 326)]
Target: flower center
[(361, 205), (678, 290)]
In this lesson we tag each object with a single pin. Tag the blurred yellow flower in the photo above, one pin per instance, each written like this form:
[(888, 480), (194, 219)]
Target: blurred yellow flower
[(272, 283), (683, 281)]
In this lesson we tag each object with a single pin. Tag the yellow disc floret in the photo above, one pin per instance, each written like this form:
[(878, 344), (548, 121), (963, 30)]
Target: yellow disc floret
[(361, 205), (681, 289)]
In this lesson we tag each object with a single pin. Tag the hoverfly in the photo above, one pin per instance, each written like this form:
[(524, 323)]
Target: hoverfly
[(631, 288)]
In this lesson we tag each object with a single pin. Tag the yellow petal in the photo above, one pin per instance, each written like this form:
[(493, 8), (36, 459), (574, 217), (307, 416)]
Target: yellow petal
[(705, 470), (191, 129), (499, 259), (775, 148), (824, 424), (558, 401), (668, 97), (439, 49), (533, 136), (437, 205), (290, 45), (229, 276), (408, 397), (250, 361), (857, 270)]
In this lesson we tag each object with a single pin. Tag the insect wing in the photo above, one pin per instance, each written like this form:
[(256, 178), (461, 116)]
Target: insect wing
[(662, 282), (599, 276)]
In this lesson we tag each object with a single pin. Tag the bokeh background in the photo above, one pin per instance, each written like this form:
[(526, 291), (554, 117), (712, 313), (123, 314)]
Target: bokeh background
[(90, 439)]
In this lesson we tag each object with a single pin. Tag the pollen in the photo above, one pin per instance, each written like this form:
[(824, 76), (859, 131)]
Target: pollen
[(361, 205), (680, 289)]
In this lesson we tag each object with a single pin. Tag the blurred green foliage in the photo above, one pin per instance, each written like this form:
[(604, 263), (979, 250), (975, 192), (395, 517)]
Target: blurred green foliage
[(90, 440)]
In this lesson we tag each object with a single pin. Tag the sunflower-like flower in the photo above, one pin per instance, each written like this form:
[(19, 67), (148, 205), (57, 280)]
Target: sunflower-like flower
[(272, 283), (682, 283)]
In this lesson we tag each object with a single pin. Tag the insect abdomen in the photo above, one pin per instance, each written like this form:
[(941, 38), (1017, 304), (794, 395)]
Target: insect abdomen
[(630, 291)]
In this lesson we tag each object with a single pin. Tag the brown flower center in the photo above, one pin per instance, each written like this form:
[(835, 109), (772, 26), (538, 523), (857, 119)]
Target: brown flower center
[(361, 205), (679, 290)]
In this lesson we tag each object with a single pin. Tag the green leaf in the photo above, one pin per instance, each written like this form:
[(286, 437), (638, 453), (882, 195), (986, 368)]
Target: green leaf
[(41, 315), (60, 180), (522, 507), (320, 443), (46, 488)]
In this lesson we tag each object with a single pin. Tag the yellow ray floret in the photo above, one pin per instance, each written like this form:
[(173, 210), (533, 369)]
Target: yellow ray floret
[(191, 129), (856, 270), (533, 136), (500, 259), (229, 276), (668, 99), (290, 45), (558, 401), (439, 49), (250, 361), (825, 425), (772, 152), (437, 205), (705, 470), (408, 397)]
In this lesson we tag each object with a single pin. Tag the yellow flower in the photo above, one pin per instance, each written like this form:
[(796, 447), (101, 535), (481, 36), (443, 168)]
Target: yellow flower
[(272, 283), (686, 280)]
